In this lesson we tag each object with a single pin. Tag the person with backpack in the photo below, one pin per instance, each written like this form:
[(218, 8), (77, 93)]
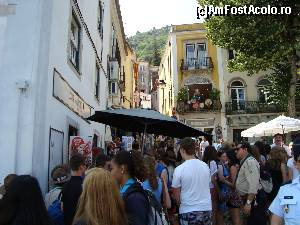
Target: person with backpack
[(162, 167), (248, 186), (191, 187), (23, 203), (59, 176), (73, 188), (100, 202), (129, 170), (153, 182)]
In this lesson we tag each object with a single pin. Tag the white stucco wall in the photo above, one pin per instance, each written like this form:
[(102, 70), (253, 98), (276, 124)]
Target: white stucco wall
[(34, 43)]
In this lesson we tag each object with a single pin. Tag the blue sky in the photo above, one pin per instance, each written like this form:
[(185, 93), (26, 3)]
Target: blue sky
[(143, 15)]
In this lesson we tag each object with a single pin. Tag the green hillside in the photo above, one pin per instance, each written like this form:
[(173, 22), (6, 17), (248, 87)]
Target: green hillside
[(150, 45)]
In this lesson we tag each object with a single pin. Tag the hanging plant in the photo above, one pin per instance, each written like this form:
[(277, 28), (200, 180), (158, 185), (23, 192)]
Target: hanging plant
[(214, 94), (183, 95)]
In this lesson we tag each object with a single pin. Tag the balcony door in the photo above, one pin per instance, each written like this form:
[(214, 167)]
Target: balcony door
[(238, 95), (196, 55), (190, 55), (201, 55)]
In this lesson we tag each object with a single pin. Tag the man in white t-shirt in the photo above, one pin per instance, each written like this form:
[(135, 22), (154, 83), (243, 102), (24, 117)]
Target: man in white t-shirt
[(278, 141), (203, 145), (190, 177)]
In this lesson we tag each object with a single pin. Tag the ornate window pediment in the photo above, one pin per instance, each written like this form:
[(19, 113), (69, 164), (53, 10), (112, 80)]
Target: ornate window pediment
[(196, 80)]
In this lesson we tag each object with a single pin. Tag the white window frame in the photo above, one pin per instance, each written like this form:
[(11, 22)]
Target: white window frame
[(100, 18), (262, 88), (97, 82), (196, 58), (75, 41), (116, 88), (142, 78), (238, 100)]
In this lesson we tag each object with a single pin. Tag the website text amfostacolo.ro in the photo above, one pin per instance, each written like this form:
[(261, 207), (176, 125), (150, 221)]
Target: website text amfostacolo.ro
[(210, 10)]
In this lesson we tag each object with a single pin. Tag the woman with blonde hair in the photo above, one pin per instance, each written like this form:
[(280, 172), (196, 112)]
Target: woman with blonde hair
[(100, 202)]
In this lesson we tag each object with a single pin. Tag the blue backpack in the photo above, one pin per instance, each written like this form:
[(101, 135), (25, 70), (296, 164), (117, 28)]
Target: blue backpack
[(55, 211)]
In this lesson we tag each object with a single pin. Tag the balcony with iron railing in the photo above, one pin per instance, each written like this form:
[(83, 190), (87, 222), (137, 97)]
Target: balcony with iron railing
[(184, 107), (196, 64), (253, 107)]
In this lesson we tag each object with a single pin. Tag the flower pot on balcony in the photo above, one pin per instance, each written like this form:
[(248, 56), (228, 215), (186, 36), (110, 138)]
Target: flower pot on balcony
[(217, 104), (180, 106)]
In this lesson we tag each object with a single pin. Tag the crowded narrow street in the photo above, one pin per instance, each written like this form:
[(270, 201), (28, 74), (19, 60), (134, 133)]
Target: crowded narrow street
[(136, 112)]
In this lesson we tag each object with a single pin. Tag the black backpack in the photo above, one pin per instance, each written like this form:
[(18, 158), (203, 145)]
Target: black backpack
[(156, 214)]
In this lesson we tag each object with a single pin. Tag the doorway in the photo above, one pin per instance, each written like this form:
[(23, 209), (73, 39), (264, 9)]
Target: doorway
[(237, 136)]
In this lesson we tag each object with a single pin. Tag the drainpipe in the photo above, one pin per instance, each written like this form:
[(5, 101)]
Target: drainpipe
[(23, 86)]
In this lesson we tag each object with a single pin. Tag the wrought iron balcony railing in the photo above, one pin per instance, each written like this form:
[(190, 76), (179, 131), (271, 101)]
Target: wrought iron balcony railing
[(196, 63), (252, 107), (183, 107)]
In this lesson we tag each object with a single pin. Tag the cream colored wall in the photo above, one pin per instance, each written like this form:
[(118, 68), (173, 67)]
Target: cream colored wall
[(129, 79), (250, 82), (166, 74), (118, 26)]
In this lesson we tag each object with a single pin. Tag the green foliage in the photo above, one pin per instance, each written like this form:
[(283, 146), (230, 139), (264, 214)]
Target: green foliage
[(150, 45), (214, 94), (156, 55), (261, 42), (279, 79), (183, 94)]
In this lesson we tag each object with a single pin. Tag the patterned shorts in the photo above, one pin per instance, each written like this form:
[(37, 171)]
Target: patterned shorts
[(196, 218)]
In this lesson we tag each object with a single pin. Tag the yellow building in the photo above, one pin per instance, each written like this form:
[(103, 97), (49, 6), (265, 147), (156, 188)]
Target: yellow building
[(207, 95), (117, 58), (190, 70), (130, 83), (165, 89)]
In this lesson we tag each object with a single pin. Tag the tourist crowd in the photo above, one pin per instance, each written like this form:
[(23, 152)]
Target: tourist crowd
[(196, 183)]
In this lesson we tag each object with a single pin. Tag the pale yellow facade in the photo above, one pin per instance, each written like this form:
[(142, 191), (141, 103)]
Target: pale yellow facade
[(121, 82), (165, 91), (198, 65), (193, 65), (130, 83)]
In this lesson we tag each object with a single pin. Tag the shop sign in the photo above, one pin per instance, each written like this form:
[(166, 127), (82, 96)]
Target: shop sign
[(64, 93)]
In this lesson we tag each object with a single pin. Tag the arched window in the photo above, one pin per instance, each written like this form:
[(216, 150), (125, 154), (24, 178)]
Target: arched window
[(237, 93), (262, 90)]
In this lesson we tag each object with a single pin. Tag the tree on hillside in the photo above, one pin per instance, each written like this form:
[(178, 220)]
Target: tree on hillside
[(145, 46), (261, 42), (156, 54)]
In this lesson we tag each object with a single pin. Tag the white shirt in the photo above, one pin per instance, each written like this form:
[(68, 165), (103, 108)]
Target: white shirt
[(287, 203), (288, 151), (290, 164), (203, 145), (213, 170), (193, 177)]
